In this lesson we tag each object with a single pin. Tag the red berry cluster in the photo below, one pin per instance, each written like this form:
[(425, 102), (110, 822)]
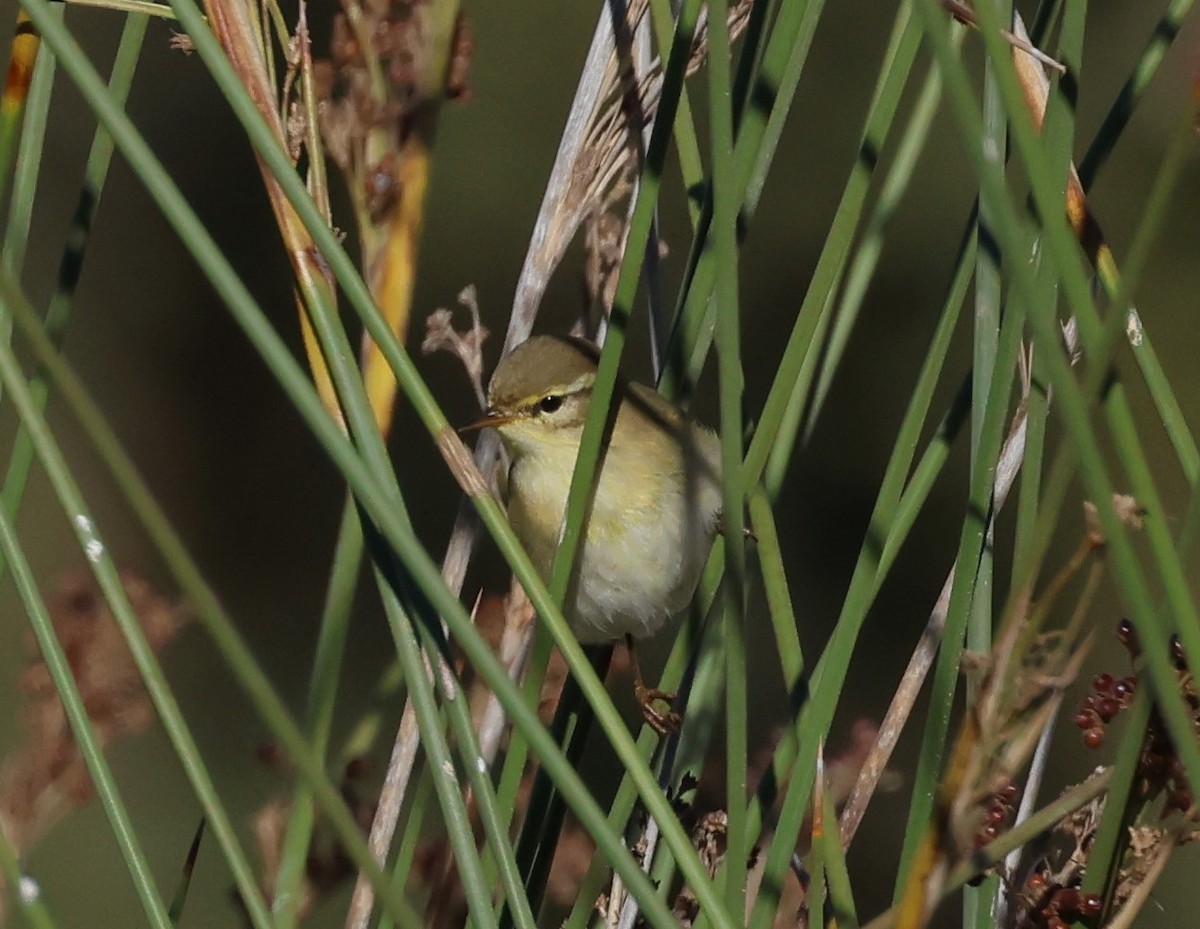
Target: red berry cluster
[(1160, 768), (998, 814), (1053, 906), (1100, 707)]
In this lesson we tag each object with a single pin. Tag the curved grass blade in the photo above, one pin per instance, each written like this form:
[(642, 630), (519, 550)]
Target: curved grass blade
[(1123, 107), (208, 607), (322, 693), (81, 726), (71, 262), (105, 572), (1073, 405)]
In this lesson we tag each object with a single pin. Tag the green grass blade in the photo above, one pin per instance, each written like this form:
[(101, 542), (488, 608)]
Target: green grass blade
[(1117, 816), (795, 756), (726, 200), (23, 110), (866, 258), (90, 541), (207, 604), (71, 262), (406, 851), (814, 900), (1135, 86), (687, 148), (976, 525), (322, 693), (1038, 824), (779, 598), (841, 890), (1073, 406), (403, 615), (403, 611), (985, 346), (625, 800), (81, 726), (894, 512), (758, 134), (834, 253)]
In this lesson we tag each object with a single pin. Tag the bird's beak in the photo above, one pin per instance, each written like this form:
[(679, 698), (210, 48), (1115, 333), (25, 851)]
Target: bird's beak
[(490, 419)]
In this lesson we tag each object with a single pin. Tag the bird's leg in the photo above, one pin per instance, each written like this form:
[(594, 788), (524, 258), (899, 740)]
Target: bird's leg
[(664, 723), (747, 532)]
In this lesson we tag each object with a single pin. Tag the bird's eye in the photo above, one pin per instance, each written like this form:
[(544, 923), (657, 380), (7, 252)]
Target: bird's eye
[(550, 403)]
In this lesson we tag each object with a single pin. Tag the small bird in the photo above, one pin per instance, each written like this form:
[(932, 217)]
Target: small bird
[(656, 505)]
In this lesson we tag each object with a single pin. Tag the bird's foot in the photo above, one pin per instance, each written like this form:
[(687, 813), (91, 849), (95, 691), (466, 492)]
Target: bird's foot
[(747, 532), (664, 722)]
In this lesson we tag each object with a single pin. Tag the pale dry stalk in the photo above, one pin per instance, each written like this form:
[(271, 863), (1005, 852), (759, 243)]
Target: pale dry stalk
[(1125, 917), (922, 658)]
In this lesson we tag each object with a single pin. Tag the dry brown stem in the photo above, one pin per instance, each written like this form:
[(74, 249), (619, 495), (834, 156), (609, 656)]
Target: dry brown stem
[(1151, 857), (1019, 694), (467, 346)]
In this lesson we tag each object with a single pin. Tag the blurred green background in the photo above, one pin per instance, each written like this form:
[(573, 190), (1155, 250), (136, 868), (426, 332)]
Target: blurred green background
[(257, 502)]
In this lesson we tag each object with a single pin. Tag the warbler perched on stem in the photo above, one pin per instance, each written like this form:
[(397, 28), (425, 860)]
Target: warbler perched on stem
[(656, 504)]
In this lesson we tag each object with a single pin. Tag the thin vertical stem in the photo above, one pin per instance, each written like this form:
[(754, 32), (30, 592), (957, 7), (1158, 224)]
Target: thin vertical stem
[(726, 200)]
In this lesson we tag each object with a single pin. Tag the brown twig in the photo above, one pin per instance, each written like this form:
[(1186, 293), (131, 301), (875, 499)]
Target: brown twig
[(964, 14), (1124, 917), (440, 335)]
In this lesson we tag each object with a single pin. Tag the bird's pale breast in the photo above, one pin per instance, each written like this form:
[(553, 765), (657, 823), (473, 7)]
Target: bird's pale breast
[(649, 531)]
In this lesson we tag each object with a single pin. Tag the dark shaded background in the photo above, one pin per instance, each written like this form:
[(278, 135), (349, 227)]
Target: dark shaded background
[(257, 502)]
